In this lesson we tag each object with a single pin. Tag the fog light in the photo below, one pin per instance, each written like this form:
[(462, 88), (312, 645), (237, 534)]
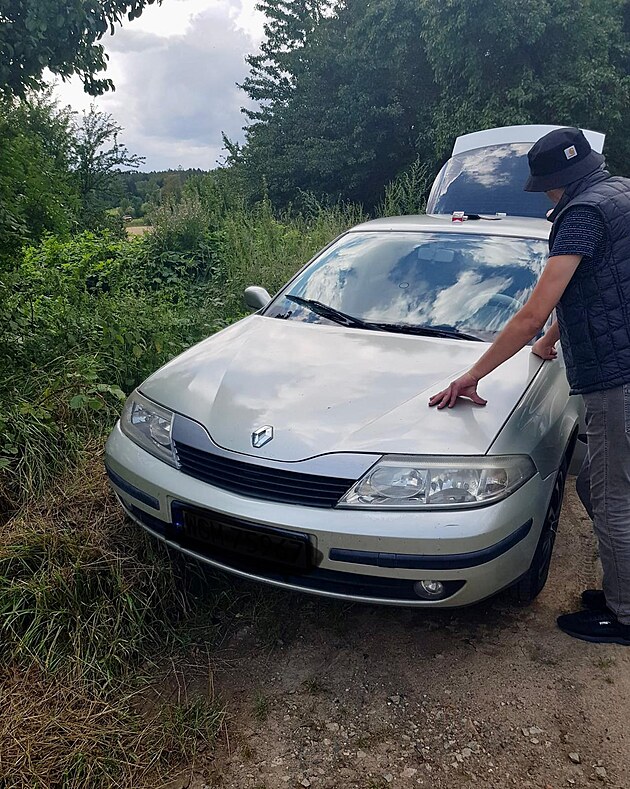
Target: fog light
[(429, 590)]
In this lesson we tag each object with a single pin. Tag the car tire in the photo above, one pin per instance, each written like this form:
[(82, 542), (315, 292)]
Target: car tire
[(530, 585)]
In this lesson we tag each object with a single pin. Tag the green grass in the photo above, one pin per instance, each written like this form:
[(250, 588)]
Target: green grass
[(90, 609), (82, 591), (63, 735), (261, 707)]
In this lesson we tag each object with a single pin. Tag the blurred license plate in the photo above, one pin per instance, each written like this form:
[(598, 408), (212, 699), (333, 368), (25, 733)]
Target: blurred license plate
[(264, 543)]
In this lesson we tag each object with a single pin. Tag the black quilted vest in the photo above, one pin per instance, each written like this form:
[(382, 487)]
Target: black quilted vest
[(594, 311)]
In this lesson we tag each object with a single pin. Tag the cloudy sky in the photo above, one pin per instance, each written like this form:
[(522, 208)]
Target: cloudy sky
[(175, 70)]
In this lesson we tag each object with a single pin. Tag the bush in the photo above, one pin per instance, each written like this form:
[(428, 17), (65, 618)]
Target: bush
[(408, 192), (181, 243), (83, 321)]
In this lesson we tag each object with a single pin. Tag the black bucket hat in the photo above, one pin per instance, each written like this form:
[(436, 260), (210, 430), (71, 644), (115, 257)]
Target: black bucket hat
[(559, 158)]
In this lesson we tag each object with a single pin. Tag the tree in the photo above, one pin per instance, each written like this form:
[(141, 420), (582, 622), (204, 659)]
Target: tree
[(96, 158), (36, 187), (61, 37), (354, 93), (273, 72), (355, 109), (530, 61)]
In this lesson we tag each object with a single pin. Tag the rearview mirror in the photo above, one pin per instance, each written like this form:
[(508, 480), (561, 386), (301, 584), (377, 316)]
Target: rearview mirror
[(256, 297)]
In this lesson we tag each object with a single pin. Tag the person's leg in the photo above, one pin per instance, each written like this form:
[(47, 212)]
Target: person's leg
[(583, 486), (608, 431), (591, 598)]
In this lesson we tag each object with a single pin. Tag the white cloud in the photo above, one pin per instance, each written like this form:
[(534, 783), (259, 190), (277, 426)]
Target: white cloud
[(175, 70)]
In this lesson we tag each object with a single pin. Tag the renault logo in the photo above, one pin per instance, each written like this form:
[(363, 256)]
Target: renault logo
[(262, 436)]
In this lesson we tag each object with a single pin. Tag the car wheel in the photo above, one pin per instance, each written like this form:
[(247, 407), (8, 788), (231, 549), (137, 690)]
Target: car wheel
[(532, 583)]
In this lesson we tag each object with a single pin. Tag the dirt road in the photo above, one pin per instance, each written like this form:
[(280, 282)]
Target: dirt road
[(327, 695)]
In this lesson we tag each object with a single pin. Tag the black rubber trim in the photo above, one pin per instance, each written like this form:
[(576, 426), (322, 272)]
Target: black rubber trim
[(452, 561), (138, 494)]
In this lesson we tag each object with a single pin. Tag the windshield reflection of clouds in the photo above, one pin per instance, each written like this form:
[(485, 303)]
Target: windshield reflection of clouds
[(489, 180), (486, 165), (471, 283)]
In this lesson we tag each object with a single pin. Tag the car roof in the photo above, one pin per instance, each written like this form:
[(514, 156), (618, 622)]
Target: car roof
[(514, 226)]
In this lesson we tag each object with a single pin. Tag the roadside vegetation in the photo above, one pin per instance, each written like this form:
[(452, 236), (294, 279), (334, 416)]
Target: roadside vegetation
[(358, 105), (93, 615)]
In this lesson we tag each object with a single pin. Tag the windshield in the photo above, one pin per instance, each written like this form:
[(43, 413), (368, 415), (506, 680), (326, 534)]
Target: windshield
[(466, 283), (487, 180)]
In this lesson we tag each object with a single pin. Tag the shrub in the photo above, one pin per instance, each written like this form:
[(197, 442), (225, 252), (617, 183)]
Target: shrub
[(79, 329), (181, 243)]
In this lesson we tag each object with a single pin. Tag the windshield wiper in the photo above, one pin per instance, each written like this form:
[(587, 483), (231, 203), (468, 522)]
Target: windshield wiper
[(401, 328), (428, 331), (332, 314)]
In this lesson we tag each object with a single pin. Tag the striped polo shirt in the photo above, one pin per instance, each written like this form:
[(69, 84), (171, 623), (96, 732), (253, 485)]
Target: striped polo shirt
[(582, 232)]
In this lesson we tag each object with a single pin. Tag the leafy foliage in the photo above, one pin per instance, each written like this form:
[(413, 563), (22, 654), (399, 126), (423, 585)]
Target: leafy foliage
[(272, 77), (353, 94), (57, 172), (61, 37), (36, 186), (96, 155), (348, 116), (530, 61)]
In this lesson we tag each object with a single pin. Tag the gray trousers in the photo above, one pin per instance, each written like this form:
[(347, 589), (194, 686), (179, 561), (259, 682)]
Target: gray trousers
[(603, 486)]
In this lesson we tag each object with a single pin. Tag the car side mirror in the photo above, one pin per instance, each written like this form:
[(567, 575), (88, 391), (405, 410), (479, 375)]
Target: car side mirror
[(256, 297)]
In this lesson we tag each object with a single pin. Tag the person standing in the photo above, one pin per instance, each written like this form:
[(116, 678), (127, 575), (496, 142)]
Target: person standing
[(587, 281)]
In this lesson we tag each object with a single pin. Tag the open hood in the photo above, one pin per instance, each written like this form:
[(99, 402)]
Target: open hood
[(487, 172)]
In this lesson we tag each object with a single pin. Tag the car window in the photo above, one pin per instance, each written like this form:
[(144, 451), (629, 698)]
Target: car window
[(487, 180), (464, 282)]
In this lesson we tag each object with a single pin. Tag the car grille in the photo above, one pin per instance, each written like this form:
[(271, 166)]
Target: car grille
[(261, 482)]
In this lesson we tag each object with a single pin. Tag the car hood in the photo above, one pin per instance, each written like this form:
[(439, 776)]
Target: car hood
[(327, 388)]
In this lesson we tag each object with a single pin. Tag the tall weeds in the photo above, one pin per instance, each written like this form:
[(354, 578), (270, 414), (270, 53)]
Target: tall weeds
[(408, 192), (89, 608), (82, 322)]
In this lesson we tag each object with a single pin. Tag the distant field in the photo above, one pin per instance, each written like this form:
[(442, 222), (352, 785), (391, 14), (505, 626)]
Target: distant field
[(137, 231)]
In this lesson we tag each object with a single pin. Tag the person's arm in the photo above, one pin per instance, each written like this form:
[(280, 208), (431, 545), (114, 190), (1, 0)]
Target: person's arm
[(527, 322), (545, 347)]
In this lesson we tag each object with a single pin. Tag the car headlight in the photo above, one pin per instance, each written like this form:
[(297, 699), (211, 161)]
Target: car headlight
[(150, 426), (412, 482)]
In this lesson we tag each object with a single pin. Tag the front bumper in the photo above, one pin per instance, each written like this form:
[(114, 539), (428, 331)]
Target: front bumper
[(366, 556)]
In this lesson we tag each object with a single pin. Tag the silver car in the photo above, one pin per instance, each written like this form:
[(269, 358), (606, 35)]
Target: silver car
[(296, 447)]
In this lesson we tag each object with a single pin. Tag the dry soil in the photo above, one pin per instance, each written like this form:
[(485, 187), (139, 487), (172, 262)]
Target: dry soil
[(324, 694)]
